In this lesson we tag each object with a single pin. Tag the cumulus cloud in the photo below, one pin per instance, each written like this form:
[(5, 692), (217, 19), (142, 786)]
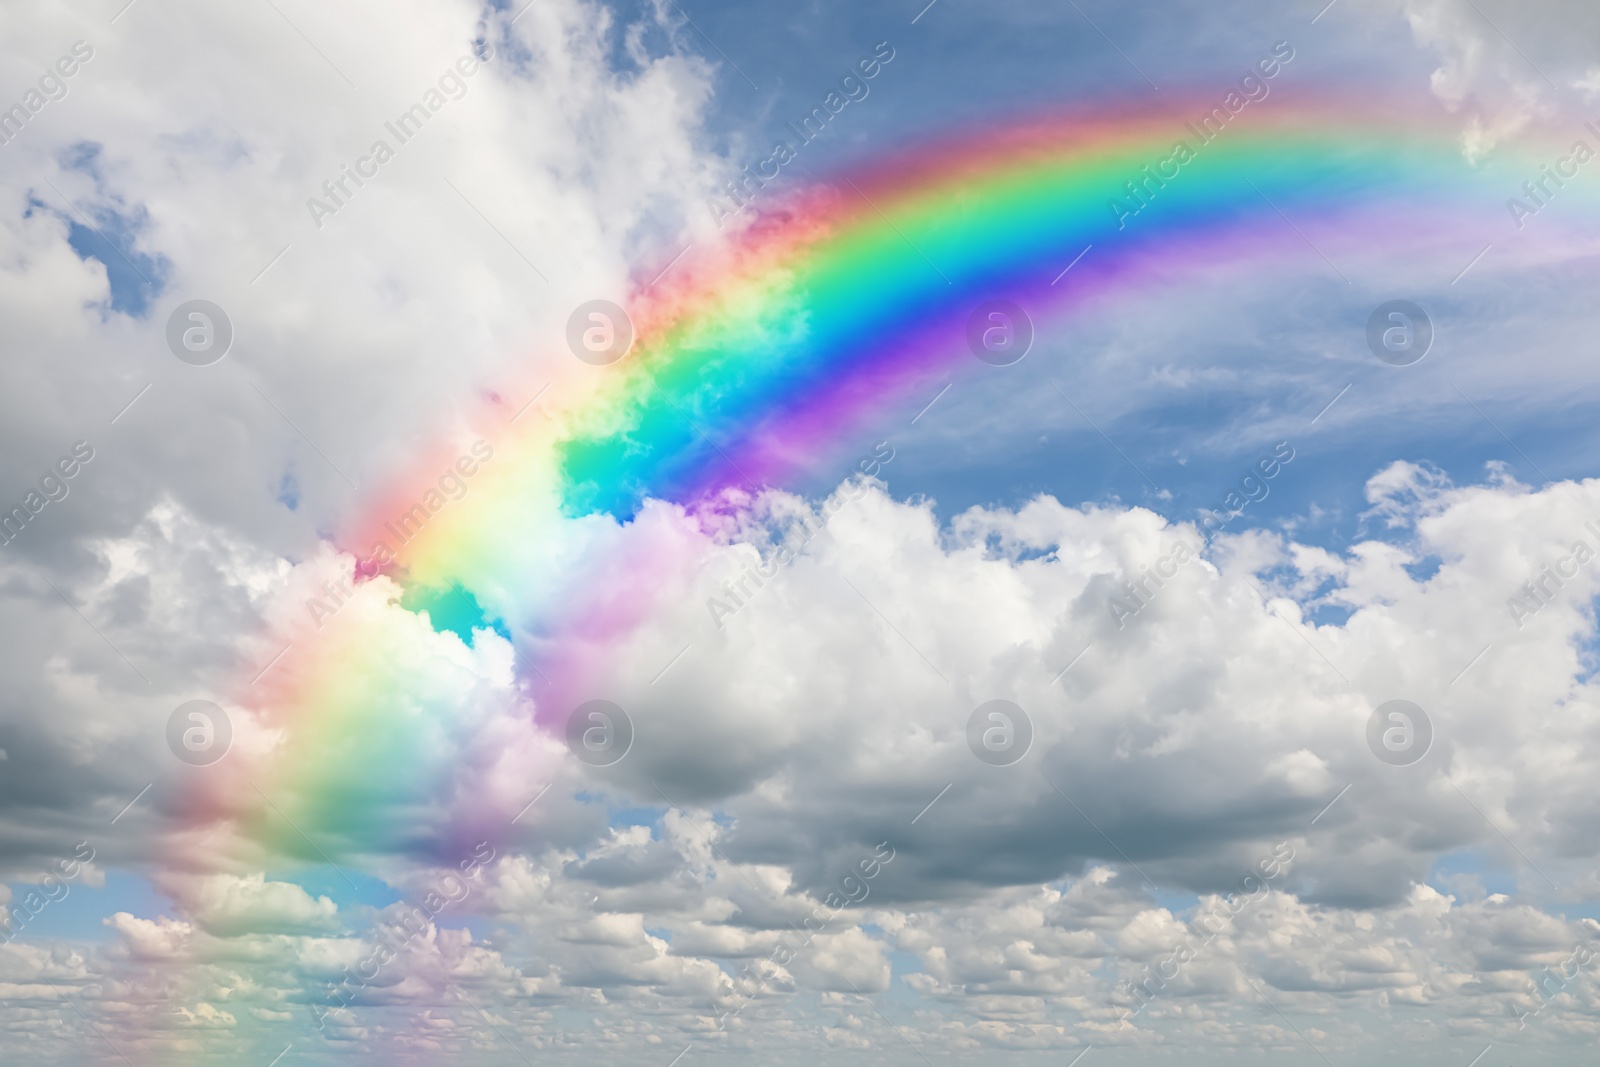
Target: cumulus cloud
[(811, 730), (1501, 65), (147, 584), (802, 845), (226, 905), (1020, 886)]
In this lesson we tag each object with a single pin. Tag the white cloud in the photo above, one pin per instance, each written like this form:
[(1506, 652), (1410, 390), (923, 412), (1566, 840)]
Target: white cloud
[(1028, 923), (808, 730), (226, 905), (1501, 65)]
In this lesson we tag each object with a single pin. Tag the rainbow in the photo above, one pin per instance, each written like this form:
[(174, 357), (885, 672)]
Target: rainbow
[(754, 360)]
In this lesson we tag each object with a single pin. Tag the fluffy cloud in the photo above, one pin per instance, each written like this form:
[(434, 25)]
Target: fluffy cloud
[(1021, 892), (225, 905), (1503, 64), (193, 144), (812, 729), (726, 885)]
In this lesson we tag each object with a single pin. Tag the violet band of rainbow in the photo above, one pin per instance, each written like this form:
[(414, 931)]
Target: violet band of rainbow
[(756, 359)]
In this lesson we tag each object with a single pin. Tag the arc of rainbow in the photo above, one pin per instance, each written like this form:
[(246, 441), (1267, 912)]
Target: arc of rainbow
[(748, 366)]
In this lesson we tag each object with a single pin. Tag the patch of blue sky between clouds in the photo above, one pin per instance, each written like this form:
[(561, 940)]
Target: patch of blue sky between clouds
[(80, 915), (289, 491), (347, 887), (105, 229)]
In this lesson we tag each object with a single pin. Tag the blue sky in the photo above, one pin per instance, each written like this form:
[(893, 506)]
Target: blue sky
[(829, 714), (1280, 353)]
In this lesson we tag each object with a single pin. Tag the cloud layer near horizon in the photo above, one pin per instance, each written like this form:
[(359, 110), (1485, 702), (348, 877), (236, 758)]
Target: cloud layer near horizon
[(787, 744)]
